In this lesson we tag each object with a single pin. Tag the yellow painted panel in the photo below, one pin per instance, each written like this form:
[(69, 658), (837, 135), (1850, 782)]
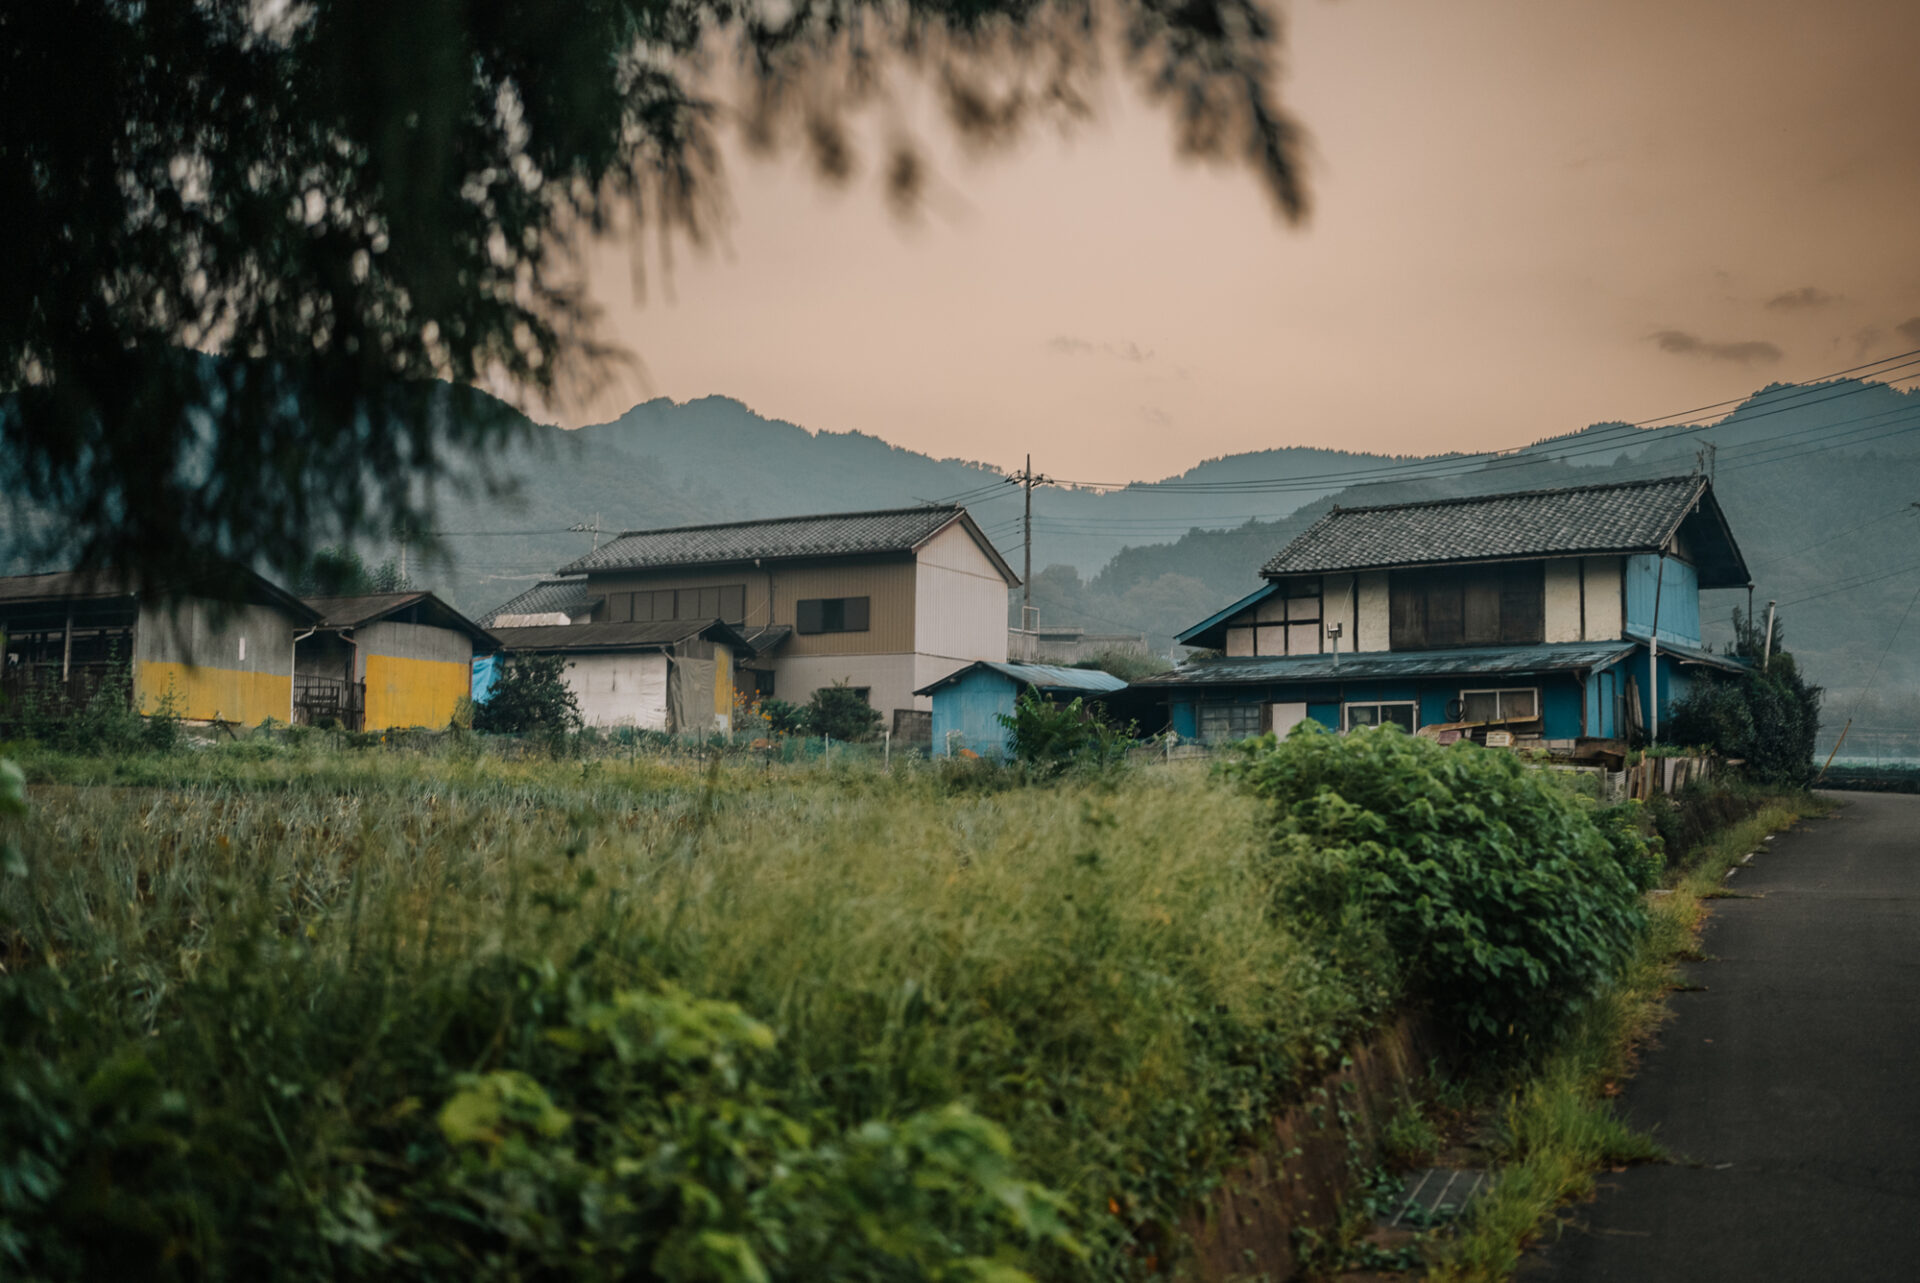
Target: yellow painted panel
[(204, 692), (414, 692), (723, 684)]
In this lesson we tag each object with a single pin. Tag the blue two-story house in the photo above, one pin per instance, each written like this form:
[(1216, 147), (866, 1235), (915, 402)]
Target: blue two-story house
[(1539, 613)]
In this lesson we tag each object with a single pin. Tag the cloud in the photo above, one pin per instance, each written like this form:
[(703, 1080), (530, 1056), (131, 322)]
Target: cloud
[(1909, 330), (1803, 299), (1743, 352), (1067, 345)]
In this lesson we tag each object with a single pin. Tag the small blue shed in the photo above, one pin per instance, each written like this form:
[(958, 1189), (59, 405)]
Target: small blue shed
[(969, 702)]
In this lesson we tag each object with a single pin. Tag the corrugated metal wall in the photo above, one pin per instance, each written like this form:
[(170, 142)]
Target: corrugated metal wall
[(237, 667)]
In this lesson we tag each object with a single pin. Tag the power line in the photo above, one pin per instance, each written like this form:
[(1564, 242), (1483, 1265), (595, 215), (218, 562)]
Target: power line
[(1849, 587)]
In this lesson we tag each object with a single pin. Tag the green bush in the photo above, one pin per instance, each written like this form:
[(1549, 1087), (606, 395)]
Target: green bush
[(634, 1128), (784, 717), (1505, 907), (529, 696), (841, 712), (1053, 736)]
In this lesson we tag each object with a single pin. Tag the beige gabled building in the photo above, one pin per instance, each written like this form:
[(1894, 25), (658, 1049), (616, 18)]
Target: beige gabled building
[(886, 601)]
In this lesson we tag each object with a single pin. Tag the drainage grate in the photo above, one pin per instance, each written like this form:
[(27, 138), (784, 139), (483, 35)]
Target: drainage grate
[(1437, 1195)]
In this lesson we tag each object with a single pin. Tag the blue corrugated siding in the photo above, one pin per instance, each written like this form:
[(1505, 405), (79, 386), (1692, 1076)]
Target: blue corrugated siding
[(972, 707), (1679, 599), (1674, 685)]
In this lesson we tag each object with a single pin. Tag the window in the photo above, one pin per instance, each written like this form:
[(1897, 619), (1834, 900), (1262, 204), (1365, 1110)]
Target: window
[(1395, 713), (1289, 622), (1521, 705), (728, 602), (1222, 722), (831, 615), (1475, 606)]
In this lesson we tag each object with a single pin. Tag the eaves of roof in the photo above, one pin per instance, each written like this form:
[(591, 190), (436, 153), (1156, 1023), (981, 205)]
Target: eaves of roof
[(1463, 662)]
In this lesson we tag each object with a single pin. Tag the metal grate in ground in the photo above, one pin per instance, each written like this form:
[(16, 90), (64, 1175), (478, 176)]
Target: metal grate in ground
[(1437, 1195)]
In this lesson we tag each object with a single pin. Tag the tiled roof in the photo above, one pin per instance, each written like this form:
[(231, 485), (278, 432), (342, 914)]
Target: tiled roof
[(1554, 657), (1627, 516), (1047, 677), (548, 597), (659, 635), (835, 534)]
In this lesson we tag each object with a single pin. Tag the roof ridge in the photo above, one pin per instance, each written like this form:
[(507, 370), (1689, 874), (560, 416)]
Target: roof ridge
[(803, 516), (1646, 482)]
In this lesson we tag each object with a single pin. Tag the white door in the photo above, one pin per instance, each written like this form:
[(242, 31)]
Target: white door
[(1282, 718)]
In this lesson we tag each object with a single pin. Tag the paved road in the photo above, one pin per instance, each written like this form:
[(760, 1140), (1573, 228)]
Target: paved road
[(1789, 1091)]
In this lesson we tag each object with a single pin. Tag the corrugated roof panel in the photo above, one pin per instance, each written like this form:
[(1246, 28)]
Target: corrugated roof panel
[(1468, 661), (1046, 676), (1628, 516), (612, 636)]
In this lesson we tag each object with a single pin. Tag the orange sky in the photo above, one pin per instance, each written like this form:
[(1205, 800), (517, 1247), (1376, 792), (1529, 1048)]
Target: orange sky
[(1528, 217)]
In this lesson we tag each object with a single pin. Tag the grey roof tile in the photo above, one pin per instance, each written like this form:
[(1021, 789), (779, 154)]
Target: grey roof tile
[(837, 534), (1627, 516), (659, 635), (548, 597)]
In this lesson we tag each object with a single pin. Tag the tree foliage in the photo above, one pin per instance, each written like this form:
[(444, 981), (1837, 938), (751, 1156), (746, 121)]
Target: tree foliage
[(1053, 735), (341, 572), (841, 712), (530, 695), (1769, 717), (261, 250)]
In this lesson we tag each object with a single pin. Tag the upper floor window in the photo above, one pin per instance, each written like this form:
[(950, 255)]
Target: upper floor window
[(726, 602), (832, 615), (1467, 606)]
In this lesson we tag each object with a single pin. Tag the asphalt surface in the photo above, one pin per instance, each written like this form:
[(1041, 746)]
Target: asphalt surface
[(1789, 1089)]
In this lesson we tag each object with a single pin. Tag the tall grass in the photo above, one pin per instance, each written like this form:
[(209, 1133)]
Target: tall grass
[(1100, 971)]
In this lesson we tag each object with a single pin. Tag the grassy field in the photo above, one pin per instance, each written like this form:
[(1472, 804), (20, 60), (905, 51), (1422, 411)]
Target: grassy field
[(287, 1009), (276, 934)]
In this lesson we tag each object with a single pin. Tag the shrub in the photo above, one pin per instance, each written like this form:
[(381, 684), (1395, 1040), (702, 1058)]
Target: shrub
[(784, 717), (530, 695), (1504, 905), (1053, 736), (1714, 716), (841, 712)]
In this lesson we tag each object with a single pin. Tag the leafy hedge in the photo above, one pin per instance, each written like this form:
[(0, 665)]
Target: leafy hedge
[(638, 1136), (1504, 901)]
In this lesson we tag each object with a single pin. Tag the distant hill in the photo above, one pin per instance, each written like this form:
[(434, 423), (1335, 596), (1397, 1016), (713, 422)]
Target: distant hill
[(1796, 468)]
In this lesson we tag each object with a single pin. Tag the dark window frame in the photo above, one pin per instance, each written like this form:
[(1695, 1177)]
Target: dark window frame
[(814, 616)]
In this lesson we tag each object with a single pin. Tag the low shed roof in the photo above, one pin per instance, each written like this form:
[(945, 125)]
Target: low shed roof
[(75, 585), (418, 607), (1470, 661), (1048, 677), (658, 635)]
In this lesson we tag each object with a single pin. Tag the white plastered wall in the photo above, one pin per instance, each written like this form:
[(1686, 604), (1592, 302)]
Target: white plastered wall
[(1603, 599), (1337, 598), (1375, 617), (889, 679), (959, 601), (1563, 601), (620, 690)]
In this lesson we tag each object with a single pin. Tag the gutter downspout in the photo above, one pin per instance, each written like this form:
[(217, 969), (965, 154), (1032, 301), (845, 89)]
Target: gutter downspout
[(1653, 656), (353, 667)]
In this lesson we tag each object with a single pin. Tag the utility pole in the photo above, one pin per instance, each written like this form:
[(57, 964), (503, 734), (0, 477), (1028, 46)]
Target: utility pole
[(583, 528), (1026, 478)]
